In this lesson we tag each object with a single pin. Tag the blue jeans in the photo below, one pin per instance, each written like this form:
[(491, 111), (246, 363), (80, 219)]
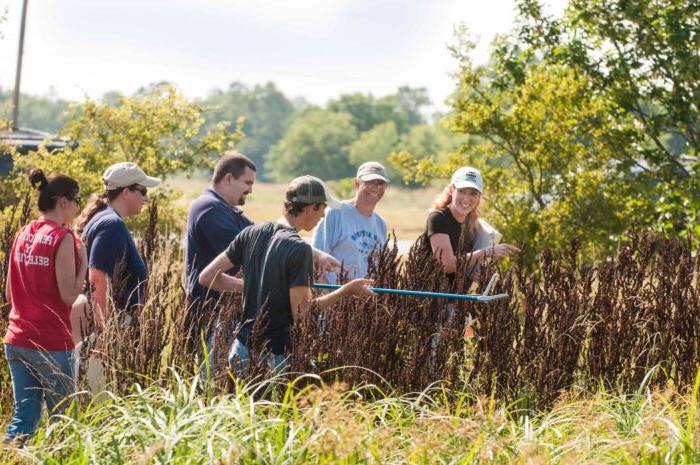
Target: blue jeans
[(239, 360), (37, 377)]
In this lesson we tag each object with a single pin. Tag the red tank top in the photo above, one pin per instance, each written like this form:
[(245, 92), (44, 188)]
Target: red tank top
[(39, 319)]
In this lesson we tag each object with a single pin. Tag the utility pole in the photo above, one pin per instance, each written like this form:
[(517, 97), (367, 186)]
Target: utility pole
[(18, 75)]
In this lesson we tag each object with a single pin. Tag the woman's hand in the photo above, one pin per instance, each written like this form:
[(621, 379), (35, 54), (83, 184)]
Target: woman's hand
[(501, 250)]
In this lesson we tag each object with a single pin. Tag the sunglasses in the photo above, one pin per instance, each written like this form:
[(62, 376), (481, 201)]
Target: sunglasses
[(75, 198), (141, 189)]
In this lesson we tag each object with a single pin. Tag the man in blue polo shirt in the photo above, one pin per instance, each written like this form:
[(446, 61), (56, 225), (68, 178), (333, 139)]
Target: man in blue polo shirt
[(277, 275), (213, 221)]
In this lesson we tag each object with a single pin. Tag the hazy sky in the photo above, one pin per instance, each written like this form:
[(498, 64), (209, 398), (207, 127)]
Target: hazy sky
[(314, 48)]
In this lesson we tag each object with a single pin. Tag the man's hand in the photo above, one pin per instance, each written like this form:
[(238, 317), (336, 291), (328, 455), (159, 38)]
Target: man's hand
[(359, 286), (325, 262)]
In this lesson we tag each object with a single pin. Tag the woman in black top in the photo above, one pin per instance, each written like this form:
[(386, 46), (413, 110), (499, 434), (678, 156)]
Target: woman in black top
[(457, 208)]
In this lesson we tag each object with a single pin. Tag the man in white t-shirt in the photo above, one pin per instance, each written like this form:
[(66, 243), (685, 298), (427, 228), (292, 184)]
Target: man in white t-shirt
[(351, 231)]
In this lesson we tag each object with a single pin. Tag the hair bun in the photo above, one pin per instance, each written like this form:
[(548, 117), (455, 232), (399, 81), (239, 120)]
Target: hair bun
[(38, 179)]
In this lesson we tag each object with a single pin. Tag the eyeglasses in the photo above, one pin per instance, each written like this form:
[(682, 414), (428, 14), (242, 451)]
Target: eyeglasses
[(143, 190), (375, 184)]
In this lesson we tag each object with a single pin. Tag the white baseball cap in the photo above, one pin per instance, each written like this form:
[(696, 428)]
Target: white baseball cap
[(467, 176), (126, 174)]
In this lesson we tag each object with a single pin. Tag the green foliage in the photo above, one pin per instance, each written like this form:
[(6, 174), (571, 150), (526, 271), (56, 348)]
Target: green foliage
[(266, 114), (404, 108), (642, 56), (45, 113), (160, 131), (376, 145), (332, 424), (425, 141), (543, 155), (586, 125), (421, 141), (411, 102), (317, 142), (343, 188)]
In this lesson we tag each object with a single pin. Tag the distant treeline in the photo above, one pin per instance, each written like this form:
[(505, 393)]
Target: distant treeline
[(285, 136)]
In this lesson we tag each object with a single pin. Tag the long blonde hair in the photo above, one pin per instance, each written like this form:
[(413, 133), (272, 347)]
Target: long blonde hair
[(444, 199)]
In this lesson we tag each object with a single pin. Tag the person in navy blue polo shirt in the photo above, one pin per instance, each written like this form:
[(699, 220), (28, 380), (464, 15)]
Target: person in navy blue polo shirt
[(213, 221), (114, 261)]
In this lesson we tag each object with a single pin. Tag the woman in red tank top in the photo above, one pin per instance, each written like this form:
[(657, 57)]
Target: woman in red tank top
[(45, 277)]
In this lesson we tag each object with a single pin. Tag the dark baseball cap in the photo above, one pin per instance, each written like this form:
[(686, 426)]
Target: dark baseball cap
[(310, 189)]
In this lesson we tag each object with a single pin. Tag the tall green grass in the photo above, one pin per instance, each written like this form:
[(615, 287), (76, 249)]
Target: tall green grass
[(271, 422)]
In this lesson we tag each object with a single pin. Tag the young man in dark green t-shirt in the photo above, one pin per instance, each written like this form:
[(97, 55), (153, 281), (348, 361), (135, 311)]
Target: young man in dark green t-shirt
[(277, 273)]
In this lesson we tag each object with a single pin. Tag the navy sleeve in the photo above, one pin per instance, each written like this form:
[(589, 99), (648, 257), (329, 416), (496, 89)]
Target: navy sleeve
[(109, 246), (235, 250), (217, 230), (300, 267)]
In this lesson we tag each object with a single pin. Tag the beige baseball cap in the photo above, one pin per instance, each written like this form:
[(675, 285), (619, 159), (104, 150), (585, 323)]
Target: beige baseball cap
[(371, 170), (126, 174), (310, 189)]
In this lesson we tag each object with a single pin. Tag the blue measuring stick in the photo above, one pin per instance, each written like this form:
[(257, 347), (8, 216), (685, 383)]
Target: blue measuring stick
[(435, 295)]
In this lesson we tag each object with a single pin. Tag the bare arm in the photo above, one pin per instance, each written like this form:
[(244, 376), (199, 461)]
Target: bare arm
[(214, 276), (65, 270), (80, 277), (442, 248), (324, 261), (99, 281), (8, 294), (300, 296)]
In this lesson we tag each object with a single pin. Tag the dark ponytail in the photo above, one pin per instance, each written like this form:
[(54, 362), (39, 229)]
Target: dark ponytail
[(38, 179), (96, 204), (52, 188)]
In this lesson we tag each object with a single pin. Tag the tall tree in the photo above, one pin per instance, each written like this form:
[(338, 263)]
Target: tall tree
[(412, 101), (584, 125), (644, 56), (375, 145)]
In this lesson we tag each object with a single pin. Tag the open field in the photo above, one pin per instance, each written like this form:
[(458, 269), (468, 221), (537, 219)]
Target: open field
[(404, 210)]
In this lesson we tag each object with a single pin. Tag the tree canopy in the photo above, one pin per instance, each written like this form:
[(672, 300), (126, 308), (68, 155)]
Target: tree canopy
[(583, 125)]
